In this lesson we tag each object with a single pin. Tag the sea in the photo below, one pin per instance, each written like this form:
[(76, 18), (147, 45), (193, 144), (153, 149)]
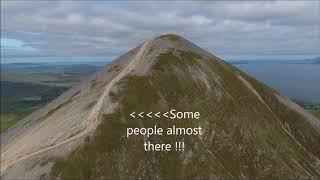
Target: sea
[(296, 79)]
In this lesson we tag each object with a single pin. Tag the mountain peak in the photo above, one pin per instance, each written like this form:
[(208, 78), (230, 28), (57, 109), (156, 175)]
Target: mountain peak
[(250, 131), (169, 48), (164, 40), (169, 36)]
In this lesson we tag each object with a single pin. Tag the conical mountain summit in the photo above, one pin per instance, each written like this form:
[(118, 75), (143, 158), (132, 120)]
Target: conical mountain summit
[(250, 131)]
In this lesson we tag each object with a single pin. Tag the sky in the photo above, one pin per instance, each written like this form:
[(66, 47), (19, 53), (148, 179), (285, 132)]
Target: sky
[(247, 30)]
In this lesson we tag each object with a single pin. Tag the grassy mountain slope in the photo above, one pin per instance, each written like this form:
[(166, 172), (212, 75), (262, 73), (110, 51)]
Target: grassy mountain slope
[(248, 131)]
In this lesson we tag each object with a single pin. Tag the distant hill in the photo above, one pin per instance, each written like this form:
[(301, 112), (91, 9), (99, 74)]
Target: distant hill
[(315, 60), (302, 61), (22, 64)]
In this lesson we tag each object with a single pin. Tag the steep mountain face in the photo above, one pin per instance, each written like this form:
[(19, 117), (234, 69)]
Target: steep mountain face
[(250, 131)]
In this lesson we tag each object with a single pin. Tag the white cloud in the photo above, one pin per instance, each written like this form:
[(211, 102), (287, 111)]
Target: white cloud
[(83, 28)]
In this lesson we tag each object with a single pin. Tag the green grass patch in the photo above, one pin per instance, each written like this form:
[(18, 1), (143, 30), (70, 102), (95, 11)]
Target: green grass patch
[(9, 119), (102, 156), (20, 99)]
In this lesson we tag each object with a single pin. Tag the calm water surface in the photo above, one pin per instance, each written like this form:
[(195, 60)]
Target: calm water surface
[(298, 81)]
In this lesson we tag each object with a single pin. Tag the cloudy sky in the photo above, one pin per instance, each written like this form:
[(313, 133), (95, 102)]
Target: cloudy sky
[(231, 30)]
